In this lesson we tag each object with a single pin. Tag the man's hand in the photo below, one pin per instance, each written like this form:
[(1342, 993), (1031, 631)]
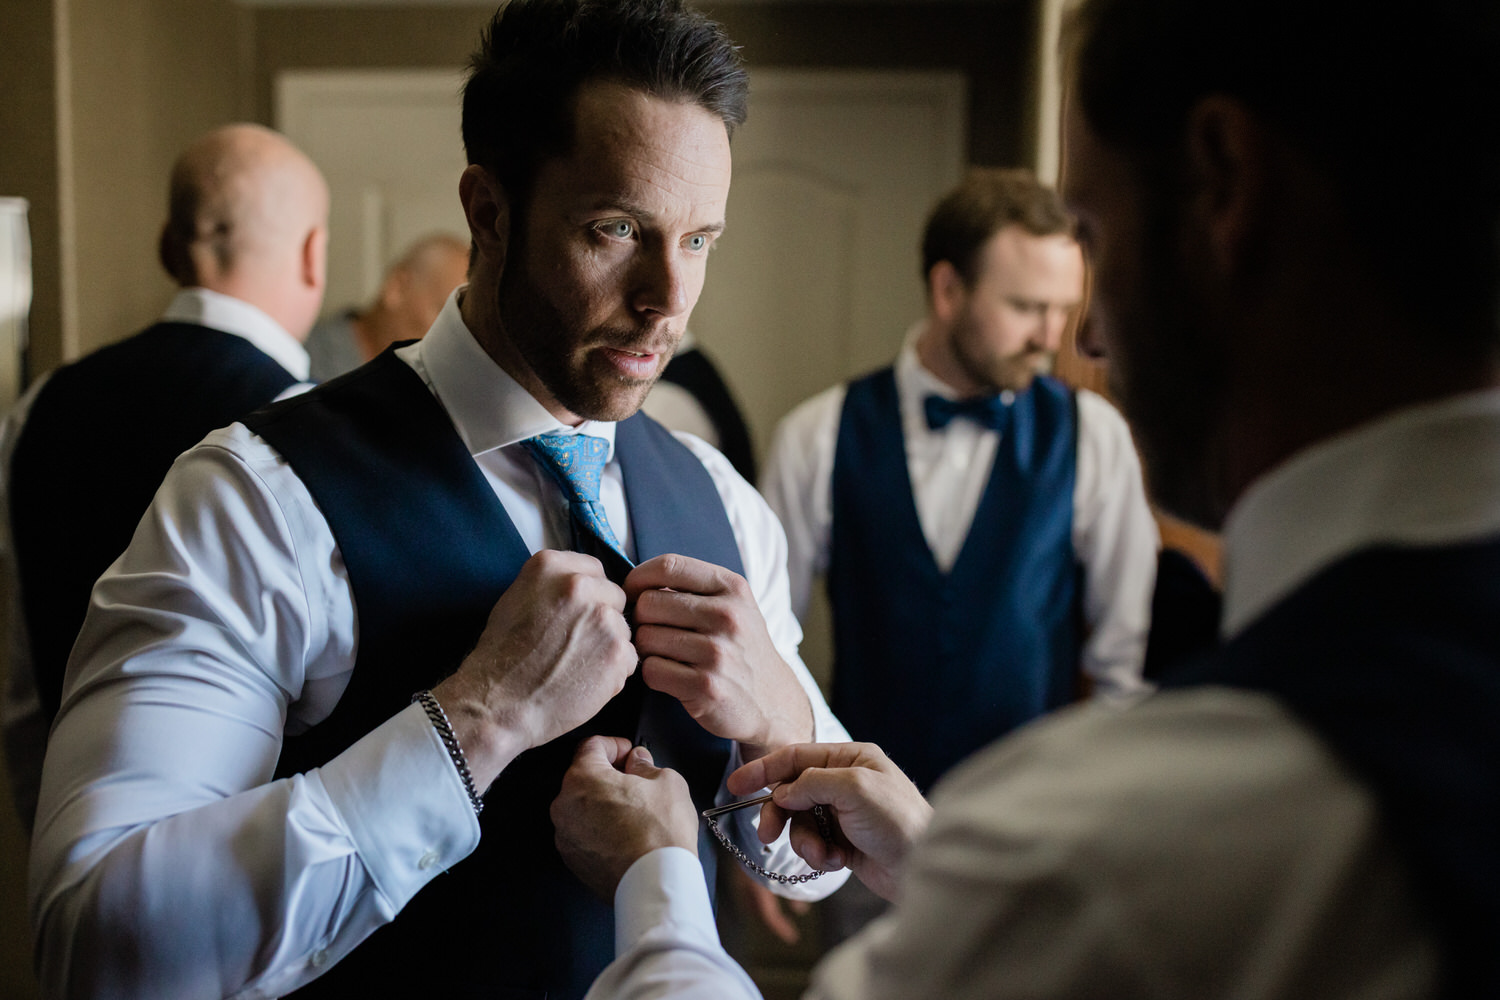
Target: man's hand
[(702, 640), (555, 649), (615, 806), (877, 812)]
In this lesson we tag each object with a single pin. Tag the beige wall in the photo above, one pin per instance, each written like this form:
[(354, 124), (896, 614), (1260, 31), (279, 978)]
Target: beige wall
[(147, 77), (98, 97), (28, 148)]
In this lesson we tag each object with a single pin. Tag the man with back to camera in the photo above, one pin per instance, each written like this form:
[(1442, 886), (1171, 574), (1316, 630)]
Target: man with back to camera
[(983, 529), (395, 534), (410, 296), (1313, 808), (245, 236)]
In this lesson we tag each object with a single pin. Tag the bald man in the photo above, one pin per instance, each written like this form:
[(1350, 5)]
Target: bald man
[(87, 446), (410, 296)]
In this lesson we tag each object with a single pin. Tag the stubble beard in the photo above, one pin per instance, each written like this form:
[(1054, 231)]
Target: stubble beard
[(546, 340), (1014, 373)]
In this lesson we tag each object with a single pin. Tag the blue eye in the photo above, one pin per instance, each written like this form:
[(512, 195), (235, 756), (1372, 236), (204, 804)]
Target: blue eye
[(698, 242), (620, 230)]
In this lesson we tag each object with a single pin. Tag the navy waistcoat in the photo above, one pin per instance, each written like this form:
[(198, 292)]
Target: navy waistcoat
[(100, 437), (429, 550), (933, 666), (1393, 657)]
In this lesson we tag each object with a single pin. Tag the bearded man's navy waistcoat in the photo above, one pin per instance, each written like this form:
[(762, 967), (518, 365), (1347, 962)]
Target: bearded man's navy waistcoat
[(932, 665), (429, 550), (1392, 656)]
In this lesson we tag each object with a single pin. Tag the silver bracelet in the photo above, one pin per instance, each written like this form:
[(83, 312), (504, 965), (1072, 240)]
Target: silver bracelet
[(439, 720)]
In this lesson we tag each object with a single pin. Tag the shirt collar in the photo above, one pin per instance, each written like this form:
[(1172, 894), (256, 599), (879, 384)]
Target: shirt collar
[(488, 407), (223, 312), (1427, 475)]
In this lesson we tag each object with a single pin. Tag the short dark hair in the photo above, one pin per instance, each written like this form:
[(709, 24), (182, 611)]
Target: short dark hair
[(1396, 103), (985, 202), (535, 55)]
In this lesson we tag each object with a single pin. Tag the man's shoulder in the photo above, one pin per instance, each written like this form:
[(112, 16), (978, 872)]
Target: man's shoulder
[(1173, 761)]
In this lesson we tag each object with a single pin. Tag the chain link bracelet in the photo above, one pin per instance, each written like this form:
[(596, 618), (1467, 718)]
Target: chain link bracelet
[(823, 828), (439, 720)]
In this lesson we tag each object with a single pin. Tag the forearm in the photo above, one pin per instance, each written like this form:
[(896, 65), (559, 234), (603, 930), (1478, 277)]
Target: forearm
[(666, 944), (135, 881)]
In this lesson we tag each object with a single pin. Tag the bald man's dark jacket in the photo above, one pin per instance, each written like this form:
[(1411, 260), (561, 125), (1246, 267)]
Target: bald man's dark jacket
[(97, 442)]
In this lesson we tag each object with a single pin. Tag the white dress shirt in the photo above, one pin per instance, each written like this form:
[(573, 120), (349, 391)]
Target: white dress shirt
[(1114, 534), (230, 619), (21, 715), (1202, 843)]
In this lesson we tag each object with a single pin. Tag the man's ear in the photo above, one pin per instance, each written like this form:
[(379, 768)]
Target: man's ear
[(1226, 146), (487, 209), (314, 261), (946, 291)]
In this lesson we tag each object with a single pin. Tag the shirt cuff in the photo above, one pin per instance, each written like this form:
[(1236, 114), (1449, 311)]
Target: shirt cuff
[(404, 804), (664, 888)]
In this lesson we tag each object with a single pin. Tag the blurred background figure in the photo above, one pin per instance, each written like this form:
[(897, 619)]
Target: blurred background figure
[(411, 294), (692, 396), (85, 449), (984, 531)]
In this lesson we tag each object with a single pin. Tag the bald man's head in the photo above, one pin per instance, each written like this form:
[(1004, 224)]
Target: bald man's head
[(248, 217), (412, 292)]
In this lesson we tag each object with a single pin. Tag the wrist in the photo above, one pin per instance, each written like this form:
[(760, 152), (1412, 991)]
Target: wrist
[(488, 744), (796, 724)]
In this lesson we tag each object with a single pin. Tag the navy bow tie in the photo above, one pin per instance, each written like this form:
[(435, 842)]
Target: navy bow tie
[(987, 411)]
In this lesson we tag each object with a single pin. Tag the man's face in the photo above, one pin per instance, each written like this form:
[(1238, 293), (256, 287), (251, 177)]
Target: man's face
[(609, 260), (1166, 369), (1009, 323)]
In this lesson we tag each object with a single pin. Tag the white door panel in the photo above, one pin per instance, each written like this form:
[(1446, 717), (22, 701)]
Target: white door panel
[(389, 144)]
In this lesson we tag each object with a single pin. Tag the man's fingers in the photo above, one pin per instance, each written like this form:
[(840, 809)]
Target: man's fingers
[(839, 787), (678, 609), (808, 841), (786, 763), (601, 751), (677, 572), (553, 563), (638, 761), (672, 644), (676, 680)]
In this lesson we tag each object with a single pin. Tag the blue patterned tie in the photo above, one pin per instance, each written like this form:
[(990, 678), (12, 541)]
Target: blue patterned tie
[(576, 462), (987, 411)]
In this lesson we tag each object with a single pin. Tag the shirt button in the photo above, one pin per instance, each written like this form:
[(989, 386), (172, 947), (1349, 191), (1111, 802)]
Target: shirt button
[(319, 958), (427, 860)]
